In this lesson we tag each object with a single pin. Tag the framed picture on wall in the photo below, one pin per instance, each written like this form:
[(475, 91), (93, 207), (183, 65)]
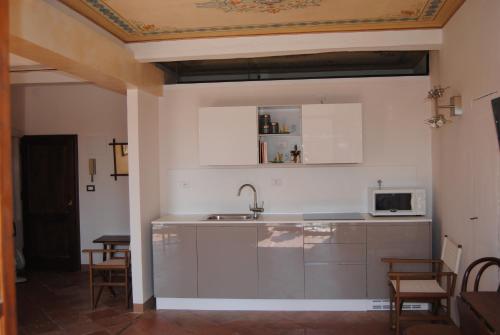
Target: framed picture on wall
[(120, 159)]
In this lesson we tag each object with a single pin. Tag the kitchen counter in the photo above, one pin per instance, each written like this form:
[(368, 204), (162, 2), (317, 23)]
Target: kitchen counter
[(280, 261), (297, 219)]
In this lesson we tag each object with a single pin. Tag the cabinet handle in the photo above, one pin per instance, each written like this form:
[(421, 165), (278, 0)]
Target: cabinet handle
[(473, 218)]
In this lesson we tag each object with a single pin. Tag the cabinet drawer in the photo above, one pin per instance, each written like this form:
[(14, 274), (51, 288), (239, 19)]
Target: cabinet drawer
[(318, 233), (335, 281), (336, 253), (335, 233)]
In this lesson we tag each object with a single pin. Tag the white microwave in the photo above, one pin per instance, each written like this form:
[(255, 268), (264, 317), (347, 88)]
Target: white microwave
[(396, 201)]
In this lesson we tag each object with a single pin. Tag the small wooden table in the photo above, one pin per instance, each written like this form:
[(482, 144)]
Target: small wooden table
[(480, 312), (111, 241)]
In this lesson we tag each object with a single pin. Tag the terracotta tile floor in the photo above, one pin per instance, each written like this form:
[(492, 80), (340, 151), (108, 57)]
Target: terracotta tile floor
[(54, 304)]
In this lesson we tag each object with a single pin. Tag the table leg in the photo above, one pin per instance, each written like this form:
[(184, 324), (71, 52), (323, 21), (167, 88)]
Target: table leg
[(104, 255), (107, 246)]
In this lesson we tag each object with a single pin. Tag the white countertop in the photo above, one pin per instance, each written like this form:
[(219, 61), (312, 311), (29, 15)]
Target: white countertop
[(284, 219)]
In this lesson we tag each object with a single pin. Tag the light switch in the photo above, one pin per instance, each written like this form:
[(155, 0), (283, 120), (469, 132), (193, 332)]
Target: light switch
[(185, 184), (90, 188)]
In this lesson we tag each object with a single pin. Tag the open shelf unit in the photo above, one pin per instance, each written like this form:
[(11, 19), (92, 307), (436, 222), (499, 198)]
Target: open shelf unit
[(290, 135)]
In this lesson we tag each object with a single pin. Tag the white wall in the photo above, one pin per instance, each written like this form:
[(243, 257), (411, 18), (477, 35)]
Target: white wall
[(466, 152), (397, 146), (142, 115), (96, 116)]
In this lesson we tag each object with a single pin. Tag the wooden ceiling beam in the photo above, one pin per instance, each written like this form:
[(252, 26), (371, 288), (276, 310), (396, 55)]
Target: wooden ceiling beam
[(47, 35)]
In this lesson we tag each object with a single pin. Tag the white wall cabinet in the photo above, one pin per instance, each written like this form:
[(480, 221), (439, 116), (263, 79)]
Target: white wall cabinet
[(228, 135), (332, 133)]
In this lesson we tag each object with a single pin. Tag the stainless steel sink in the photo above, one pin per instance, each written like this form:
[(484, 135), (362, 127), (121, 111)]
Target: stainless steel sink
[(229, 217)]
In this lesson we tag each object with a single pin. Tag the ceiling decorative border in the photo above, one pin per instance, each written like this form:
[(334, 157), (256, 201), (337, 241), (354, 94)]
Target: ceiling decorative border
[(130, 30), (258, 6)]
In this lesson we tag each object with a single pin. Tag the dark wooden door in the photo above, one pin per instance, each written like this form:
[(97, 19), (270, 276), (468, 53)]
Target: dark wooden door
[(50, 202)]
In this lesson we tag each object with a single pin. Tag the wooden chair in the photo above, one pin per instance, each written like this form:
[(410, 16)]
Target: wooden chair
[(471, 320), (434, 286), (109, 270), (486, 262)]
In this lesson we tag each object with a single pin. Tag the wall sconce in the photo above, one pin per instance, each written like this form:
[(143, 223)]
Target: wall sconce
[(92, 169), (455, 107)]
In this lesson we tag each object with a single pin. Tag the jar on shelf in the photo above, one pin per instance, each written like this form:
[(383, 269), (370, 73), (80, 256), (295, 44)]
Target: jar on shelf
[(264, 123), (275, 128)]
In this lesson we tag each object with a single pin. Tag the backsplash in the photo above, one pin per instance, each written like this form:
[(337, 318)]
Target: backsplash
[(283, 190)]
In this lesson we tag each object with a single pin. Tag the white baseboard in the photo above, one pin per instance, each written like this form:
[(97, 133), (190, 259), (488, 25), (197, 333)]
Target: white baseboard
[(262, 304), (331, 305)]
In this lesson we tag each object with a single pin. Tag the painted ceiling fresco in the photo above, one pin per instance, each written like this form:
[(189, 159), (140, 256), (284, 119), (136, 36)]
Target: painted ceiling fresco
[(146, 20)]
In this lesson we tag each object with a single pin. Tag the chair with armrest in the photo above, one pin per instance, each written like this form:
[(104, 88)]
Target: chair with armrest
[(111, 269), (434, 286)]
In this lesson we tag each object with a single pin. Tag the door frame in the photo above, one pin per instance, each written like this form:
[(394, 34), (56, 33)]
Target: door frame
[(75, 250), (8, 313)]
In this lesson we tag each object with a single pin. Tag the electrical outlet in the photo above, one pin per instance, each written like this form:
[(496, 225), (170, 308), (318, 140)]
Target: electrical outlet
[(185, 184), (276, 182)]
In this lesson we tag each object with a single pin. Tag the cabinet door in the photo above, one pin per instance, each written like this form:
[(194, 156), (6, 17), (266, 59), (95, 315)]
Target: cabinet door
[(228, 135), (281, 262), (335, 281), (227, 262), (174, 261), (332, 133), (406, 240), (335, 261)]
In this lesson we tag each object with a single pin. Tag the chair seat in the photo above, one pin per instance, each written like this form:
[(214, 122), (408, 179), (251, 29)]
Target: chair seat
[(111, 263), (418, 286)]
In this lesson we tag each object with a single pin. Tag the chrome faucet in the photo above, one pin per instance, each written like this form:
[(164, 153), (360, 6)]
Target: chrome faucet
[(255, 208)]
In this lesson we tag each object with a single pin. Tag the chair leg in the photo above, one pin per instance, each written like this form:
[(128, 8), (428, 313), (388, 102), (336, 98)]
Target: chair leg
[(109, 280), (103, 275), (129, 296), (448, 309), (126, 289), (398, 311), (98, 296), (91, 282), (391, 309)]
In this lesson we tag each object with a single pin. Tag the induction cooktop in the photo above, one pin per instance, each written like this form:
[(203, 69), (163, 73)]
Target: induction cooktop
[(333, 216)]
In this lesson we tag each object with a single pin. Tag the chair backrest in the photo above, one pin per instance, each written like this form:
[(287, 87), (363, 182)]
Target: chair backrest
[(451, 254), (486, 263)]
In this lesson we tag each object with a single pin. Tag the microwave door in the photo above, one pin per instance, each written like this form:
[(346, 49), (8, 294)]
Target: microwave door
[(393, 202)]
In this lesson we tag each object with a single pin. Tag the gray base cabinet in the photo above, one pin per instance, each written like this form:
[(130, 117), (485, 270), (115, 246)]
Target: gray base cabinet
[(335, 261), (403, 240), (227, 262), (318, 260), (174, 261), (281, 262)]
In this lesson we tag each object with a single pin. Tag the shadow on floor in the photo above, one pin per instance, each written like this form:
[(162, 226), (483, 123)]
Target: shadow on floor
[(59, 303)]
